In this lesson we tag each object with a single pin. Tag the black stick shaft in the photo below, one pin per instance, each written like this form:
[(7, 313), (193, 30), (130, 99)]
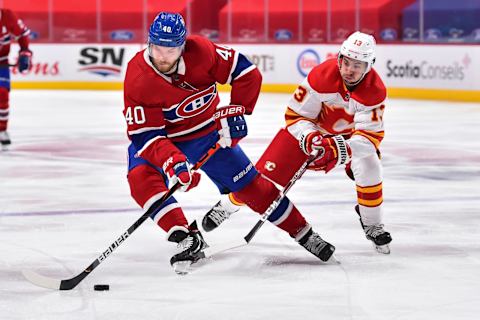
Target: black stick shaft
[(69, 284), (279, 198)]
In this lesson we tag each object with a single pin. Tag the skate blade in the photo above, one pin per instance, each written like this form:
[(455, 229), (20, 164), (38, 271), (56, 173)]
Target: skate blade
[(182, 267), (5, 147), (384, 249)]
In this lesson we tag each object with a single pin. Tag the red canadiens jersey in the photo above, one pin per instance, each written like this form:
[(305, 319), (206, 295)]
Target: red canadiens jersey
[(11, 28), (181, 106), (323, 102)]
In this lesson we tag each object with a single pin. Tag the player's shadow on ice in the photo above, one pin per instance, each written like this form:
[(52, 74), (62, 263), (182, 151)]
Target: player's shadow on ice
[(295, 261)]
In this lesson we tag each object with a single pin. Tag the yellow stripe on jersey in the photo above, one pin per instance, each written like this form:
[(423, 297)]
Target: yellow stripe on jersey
[(292, 117), (374, 137)]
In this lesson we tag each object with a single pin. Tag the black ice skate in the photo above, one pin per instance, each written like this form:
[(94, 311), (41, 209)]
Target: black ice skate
[(317, 246), (5, 139), (190, 245), (375, 233), (215, 217)]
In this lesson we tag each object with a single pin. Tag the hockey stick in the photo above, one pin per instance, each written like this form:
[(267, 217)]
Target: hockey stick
[(68, 284), (213, 250), (8, 64)]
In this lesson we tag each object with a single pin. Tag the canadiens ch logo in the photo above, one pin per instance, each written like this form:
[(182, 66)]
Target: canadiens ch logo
[(196, 103)]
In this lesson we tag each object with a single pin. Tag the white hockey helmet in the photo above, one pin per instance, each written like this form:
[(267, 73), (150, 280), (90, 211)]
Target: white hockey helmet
[(359, 46)]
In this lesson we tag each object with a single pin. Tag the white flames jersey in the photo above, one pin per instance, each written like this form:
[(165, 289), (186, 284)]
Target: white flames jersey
[(323, 102)]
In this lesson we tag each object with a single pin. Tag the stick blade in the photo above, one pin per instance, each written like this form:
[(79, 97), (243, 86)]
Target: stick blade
[(41, 281), (221, 247)]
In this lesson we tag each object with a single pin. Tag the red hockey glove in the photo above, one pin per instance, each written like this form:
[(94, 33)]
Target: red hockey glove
[(337, 152), (311, 141), (231, 125), (24, 60), (178, 169)]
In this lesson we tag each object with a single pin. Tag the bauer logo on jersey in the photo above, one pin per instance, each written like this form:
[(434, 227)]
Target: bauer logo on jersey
[(192, 105), (102, 61)]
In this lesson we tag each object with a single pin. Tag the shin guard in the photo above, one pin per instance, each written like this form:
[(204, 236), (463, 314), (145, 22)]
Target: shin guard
[(147, 185)]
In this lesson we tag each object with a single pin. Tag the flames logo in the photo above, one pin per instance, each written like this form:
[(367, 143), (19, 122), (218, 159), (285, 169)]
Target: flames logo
[(270, 166), (335, 119)]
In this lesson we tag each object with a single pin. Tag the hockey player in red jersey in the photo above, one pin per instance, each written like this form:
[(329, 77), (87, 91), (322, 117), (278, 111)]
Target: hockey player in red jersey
[(338, 110), (11, 27), (174, 116)]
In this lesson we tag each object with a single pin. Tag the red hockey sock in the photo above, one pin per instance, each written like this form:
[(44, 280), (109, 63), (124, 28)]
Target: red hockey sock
[(172, 218), (294, 222), (3, 108)]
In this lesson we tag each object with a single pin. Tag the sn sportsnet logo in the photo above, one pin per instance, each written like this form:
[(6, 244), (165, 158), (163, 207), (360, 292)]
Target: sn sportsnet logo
[(102, 61), (426, 70)]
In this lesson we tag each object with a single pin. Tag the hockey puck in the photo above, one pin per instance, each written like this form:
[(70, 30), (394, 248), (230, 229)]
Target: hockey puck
[(101, 287)]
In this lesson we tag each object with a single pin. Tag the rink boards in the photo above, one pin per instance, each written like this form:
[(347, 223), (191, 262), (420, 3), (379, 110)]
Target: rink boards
[(444, 72)]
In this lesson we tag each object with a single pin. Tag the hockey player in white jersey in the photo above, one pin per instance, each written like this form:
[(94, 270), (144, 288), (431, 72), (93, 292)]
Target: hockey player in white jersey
[(338, 109)]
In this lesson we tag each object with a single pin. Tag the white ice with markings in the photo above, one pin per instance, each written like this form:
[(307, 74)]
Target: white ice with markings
[(64, 199)]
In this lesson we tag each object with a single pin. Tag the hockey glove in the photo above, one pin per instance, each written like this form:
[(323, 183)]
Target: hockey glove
[(337, 152), (311, 141), (178, 169), (231, 125), (24, 60)]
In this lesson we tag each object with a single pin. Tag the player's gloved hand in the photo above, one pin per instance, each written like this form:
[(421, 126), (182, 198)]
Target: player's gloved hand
[(231, 125), (311, 141), (24, 60), (332, 151), (177, 168)]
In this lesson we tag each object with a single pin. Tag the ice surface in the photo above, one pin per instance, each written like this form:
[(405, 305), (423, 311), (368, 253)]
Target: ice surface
[(64, 198)]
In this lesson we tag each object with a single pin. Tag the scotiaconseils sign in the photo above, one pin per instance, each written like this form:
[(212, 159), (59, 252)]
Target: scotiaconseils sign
[(425, 70)]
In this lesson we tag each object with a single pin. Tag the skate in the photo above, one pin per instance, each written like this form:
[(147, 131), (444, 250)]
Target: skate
[(314, 244), (215, 217), (190, 245), (375, 233), (4, 140)]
